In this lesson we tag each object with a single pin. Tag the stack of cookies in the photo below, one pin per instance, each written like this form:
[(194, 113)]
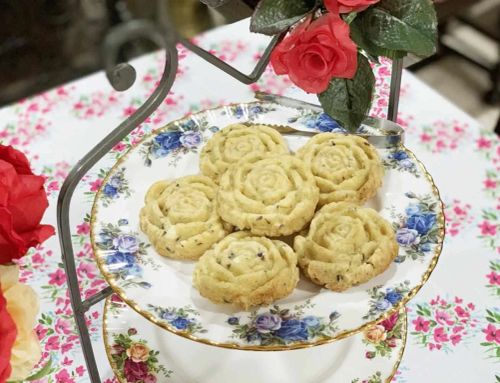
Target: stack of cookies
[(252, 193)]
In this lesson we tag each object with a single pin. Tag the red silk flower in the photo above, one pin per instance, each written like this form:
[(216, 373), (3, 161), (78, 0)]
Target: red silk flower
[(8, 334), (315, 52), (22, 203), (346, 6)]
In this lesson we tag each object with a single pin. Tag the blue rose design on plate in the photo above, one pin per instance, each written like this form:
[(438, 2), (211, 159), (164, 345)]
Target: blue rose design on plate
[(166, 143), (191, 139), (182, 319), (318, 121), (278, 326), (293, 330), (123, 253), (422, 223), (418, 230), (188, 138), (111, 188), (250, 112), (400, 160), (382, 300), (116, 187)]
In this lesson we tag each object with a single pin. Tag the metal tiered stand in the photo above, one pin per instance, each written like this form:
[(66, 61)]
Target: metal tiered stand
[(122, 76)]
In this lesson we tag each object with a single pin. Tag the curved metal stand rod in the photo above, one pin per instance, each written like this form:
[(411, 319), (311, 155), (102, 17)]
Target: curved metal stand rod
[(230, 70), (119, 79)]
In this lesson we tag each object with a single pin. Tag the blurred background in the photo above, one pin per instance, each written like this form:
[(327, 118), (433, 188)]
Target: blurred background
[(44, 43)]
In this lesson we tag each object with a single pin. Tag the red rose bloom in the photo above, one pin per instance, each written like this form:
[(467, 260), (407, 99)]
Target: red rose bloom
[(315, 52), (135, 372), (22, 203), (8, 334), (346, 6), (390, 322)]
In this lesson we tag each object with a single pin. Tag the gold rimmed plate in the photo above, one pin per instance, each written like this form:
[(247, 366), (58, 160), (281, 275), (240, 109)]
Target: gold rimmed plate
[(161, 290), (136, 347)]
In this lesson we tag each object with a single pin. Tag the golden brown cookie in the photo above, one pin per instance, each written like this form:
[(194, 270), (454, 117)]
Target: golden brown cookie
[(346, 245), (180, 217), (346, 167), (246, 271), (229, 145), (268, 195)]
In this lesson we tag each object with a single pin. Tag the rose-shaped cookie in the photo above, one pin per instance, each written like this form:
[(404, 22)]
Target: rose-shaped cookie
[(268, 195), (246, 271), (315, 52), (346, 167), (22, 204), (346, 245), (236, 141), (180, 217), (23, 306)]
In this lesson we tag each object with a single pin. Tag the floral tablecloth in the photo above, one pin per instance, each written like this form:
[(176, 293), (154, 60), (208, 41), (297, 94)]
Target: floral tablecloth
[(454, 322)]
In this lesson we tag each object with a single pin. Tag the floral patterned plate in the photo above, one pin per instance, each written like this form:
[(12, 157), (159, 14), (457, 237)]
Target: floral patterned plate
[(161, 290), (141, 352)]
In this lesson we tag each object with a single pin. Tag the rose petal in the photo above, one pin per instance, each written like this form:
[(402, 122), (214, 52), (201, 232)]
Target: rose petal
[(16, 158), (8, 333), (28, 202), (347, 6), (8, 176), (38, 235), (12, 246), (332, 6)]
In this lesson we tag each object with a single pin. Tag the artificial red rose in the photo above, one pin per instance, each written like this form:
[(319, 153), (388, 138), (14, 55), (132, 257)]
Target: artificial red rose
[(8, 334), (315, 52), (22, 203), (346, 6)]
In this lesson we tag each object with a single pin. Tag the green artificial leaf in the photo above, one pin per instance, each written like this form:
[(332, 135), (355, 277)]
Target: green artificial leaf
[(275, 16), (393, 27), (349, 101), (373, 51)]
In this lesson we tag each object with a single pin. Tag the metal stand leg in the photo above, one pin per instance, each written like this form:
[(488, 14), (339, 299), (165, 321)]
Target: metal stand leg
[(396, 75), (121, 80)]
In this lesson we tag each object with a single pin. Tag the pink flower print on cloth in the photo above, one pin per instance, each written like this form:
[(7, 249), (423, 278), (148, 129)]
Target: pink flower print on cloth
[(458, 217), (491, 334), (444, 136), (493, 278), (271, 83), (96, 104), (443, 324), (489, 229)]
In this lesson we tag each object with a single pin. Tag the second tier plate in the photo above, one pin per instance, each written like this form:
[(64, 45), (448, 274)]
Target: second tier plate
[(138, 350)]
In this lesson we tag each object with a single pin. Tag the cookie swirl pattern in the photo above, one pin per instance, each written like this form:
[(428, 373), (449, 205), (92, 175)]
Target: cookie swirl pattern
[(246, 271), (180, 217), (346, 245), (346, 167), (268, 195), (229, 145)]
